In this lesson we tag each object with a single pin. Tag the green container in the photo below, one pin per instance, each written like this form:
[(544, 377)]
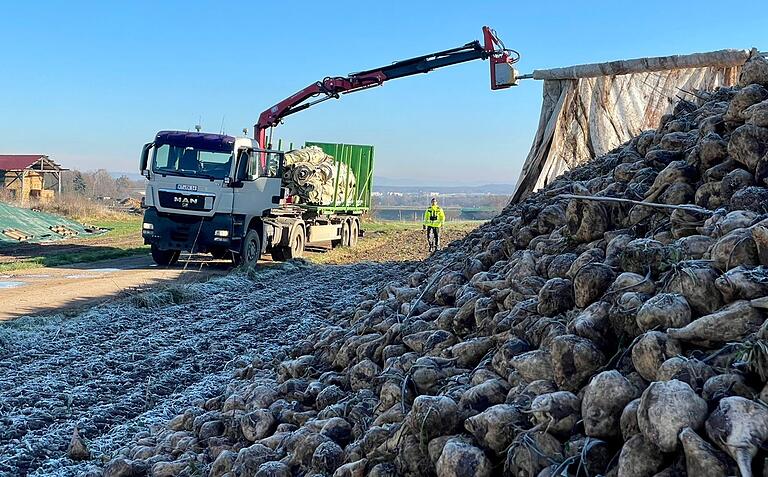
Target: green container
[(359, 159)]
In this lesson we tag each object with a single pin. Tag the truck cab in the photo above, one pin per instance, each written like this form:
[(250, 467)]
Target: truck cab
[(208, 193)]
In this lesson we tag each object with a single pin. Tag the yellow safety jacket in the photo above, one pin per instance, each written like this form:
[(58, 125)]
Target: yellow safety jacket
[(434, 216)]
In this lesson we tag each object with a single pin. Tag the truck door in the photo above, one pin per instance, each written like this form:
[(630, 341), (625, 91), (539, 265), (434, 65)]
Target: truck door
[(257, 188)]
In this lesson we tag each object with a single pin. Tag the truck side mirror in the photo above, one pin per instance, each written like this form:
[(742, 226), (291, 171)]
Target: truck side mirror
[(144, 160)]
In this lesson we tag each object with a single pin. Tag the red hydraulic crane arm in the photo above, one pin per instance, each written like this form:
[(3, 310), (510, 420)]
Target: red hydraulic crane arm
[(332, 87)]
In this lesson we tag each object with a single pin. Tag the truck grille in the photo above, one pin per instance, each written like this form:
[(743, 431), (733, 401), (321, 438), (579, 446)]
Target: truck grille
[(176, 200)]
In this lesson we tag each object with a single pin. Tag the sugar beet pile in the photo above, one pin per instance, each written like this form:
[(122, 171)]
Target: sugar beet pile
[(566, 337)]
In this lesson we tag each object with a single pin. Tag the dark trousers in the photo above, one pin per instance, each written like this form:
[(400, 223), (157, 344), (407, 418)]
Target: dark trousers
[(436, 232)]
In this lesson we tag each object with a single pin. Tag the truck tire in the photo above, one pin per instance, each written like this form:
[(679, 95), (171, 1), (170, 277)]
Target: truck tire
[(345, 234), (250, 251), (294, 250), (354, 232), (164, 257)]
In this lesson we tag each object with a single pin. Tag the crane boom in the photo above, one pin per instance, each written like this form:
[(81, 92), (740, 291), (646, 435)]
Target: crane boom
[(503, 75)]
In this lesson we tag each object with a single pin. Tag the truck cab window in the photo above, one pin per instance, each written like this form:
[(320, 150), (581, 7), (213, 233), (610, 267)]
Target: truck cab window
[(191, 162), (253, 166), (273, 165), (244, 172)]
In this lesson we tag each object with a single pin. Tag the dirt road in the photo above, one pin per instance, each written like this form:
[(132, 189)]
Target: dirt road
[(118, 368), (74, 287)]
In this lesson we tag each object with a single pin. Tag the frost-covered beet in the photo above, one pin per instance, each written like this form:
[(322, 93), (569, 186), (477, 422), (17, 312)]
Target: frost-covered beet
[(675, 172), (701, 459), (744, 98), (739, 426), (732, 322), (623, 314), (693, 247), (743, 283), (469, 353), (688, 370), (643, 255), (628, 420), (639, 458), (327, 457), (428, 373), (556, 296), (725, 385), (411, 458), (432, 416), (495, 427), (695, 280), (483, 395), (249, 459), (77, 449), (604, 399), (574, 360), (754, 71), (461, 459), (258, 424), (586, 221), (524, 394), (594, 324), (631, 282), (352, 469), (560, 265), (615, 247), (760, 236), (591, 255), (534, 365), (665, 409), (748, 145), (532, 452), (754, 199), (590, 282), (665, 310), (736, 248), (511, 348), (735, 181), (558, 412)]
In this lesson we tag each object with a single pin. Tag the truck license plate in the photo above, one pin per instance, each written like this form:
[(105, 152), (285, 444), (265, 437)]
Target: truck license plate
[(187, 187)]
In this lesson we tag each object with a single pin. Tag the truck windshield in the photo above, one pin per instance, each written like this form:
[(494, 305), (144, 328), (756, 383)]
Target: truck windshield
[(192, 162)]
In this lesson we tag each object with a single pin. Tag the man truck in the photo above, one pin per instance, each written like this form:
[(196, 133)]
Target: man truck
[(224, 195)]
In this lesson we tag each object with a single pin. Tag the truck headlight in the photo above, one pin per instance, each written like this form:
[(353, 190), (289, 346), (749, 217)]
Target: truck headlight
[(147, 226), (221, 233)]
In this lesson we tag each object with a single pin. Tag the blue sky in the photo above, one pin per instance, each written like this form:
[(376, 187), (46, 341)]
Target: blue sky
[(90, 82)]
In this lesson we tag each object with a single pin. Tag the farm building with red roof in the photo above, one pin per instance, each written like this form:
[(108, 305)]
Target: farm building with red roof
[(29, 176)]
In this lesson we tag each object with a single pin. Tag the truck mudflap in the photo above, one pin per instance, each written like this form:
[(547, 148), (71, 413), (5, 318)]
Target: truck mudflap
[(190, 233)]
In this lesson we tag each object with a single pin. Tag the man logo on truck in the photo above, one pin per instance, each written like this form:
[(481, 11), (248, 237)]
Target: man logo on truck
[(185, 201)]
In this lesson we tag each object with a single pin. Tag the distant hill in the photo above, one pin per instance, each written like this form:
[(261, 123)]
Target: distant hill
[(494, 189)]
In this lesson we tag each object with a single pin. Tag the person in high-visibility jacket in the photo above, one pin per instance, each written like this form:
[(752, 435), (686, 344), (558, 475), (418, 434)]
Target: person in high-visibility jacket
[(433, 220)]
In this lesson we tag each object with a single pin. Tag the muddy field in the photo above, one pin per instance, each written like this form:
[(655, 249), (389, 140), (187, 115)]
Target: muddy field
[(117, 369)]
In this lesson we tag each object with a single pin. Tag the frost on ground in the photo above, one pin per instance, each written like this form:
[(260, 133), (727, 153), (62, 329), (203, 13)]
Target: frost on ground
[(118, 369)]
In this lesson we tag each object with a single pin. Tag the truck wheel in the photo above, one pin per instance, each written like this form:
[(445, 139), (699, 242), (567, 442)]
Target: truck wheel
[(250, 251), (354, 232), (345, 234), (164, 257), (296, 248)]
